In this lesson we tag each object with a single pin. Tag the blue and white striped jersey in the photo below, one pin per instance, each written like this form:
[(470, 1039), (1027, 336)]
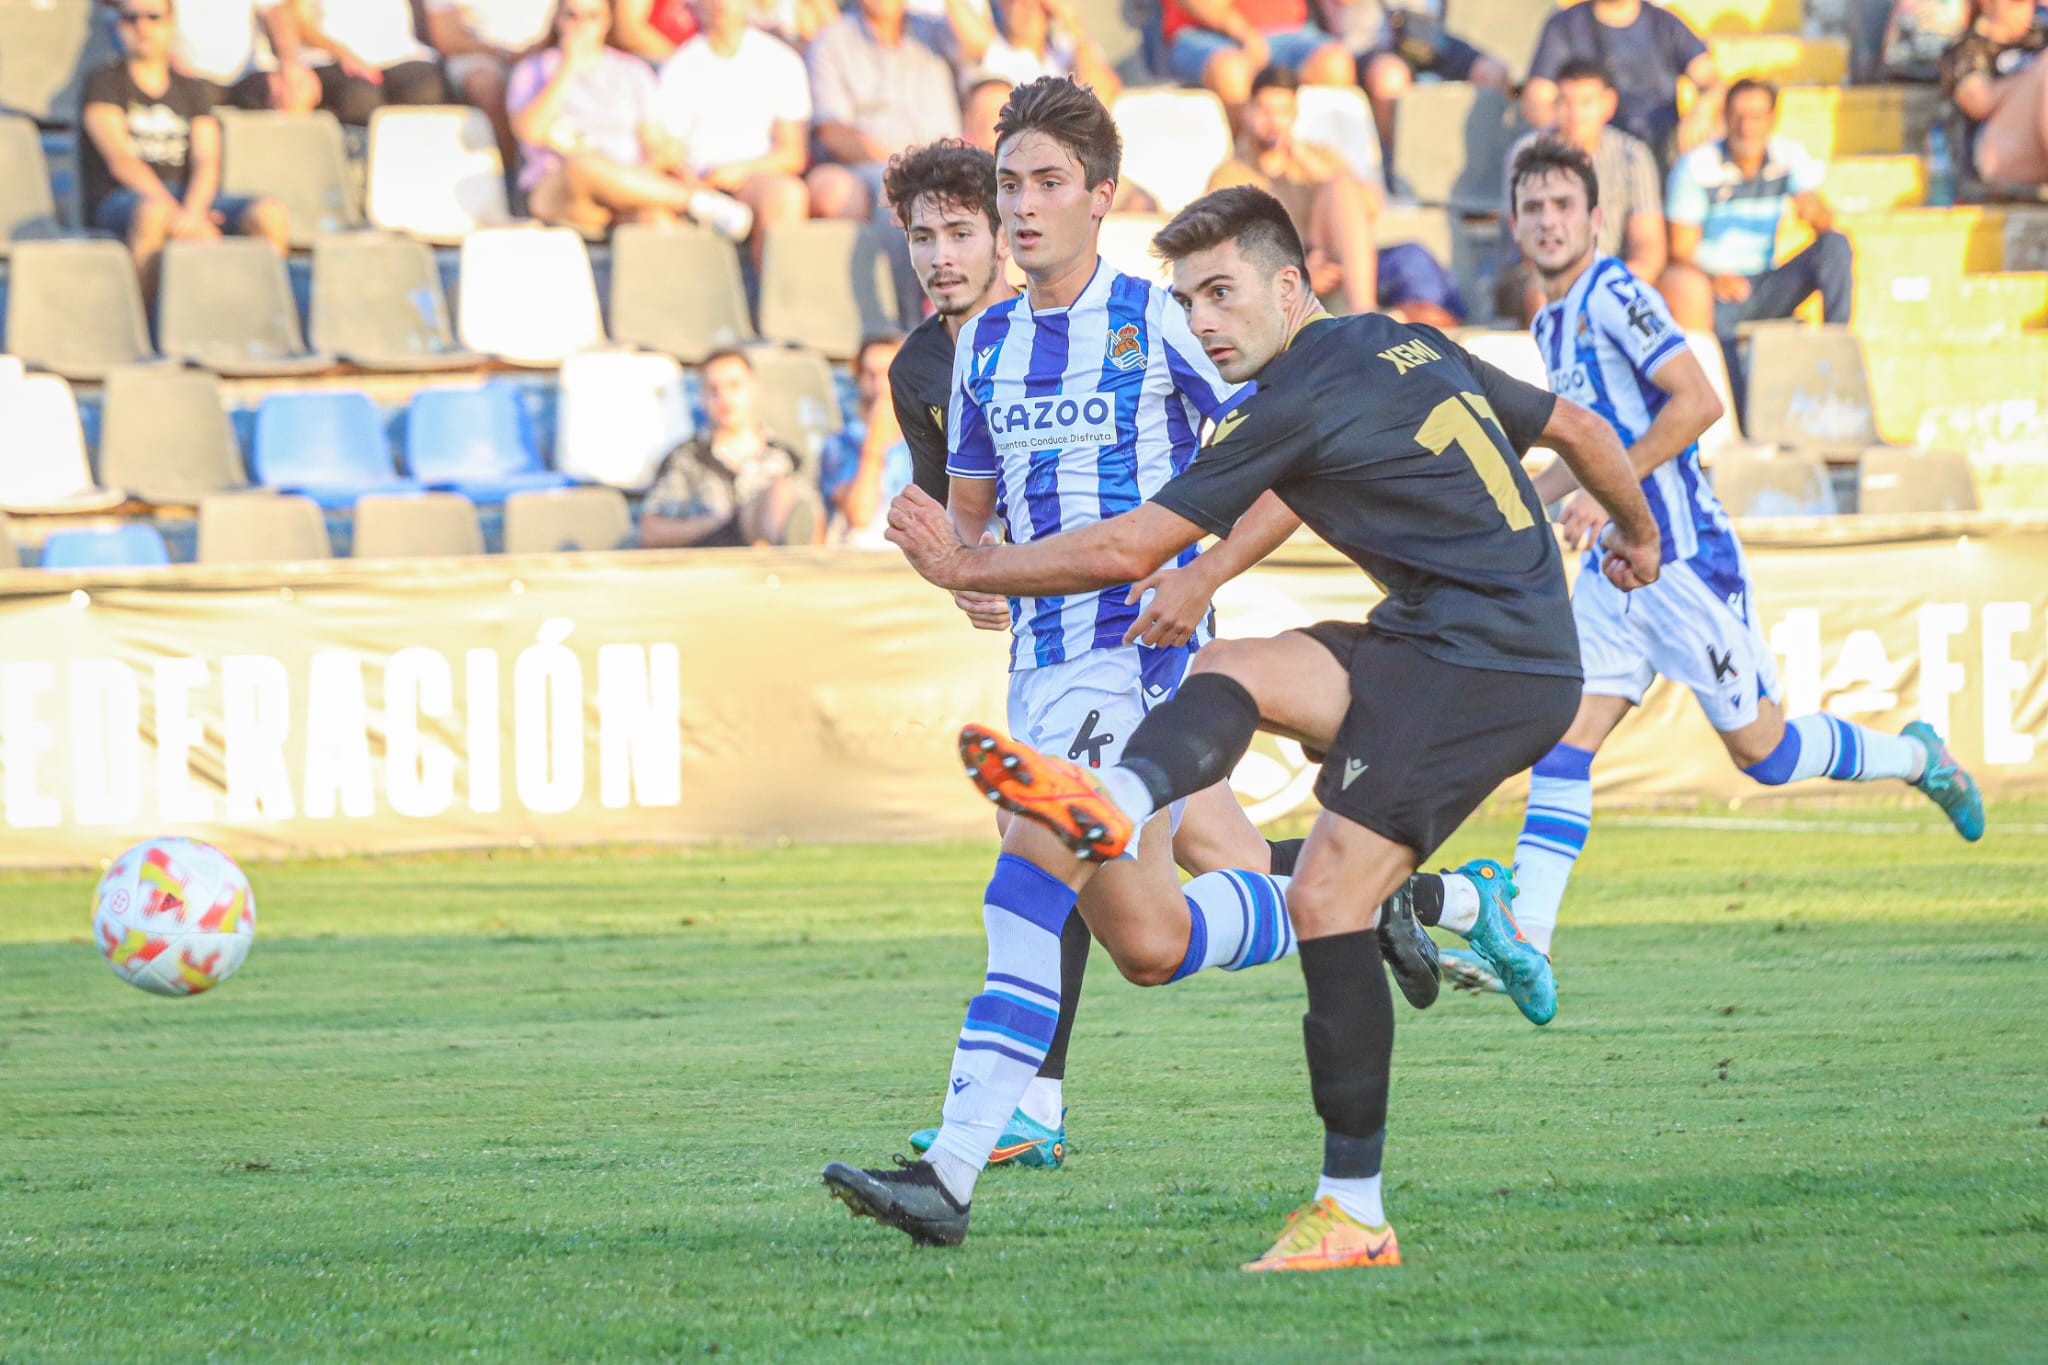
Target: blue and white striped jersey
[(1602, 342), (1079, 414)]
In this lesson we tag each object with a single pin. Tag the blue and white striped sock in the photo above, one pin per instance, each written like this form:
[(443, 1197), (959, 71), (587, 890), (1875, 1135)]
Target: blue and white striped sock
[(1554, 831), (1821, 745), (1236, 920), (1010, 1024)]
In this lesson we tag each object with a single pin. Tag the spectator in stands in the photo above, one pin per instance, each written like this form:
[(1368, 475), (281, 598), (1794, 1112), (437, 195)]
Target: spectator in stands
[(981, 106), (732, 485), (1631, 199), (1223, 44), (1331, 210), (366, 55), (1726, 202), (1028, 39), (868, 464), (215, 40), (1397, 40), (1645, 49), (739, 102), (796, 22), (480, 41), (1916, 35), (652, 29), (150, 159), (1999, 82), (877, 87)]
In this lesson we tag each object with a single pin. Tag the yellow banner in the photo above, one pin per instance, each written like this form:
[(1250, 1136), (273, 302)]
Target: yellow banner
[(760, 696)]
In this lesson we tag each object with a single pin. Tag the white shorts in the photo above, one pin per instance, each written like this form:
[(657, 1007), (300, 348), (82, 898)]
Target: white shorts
[(1085, 709), (1680, 628)]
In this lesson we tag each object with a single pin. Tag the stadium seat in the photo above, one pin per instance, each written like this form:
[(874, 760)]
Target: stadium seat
[(1725, 433), (165, 435), (227, 305), (42, 461), (1512, 352), (1763, 481), (378, 304), (1808, 389), (47, 47), (677, 290), (1118, 27), (620, 413), (799, 402), (527, 295), (566, 519), (328, 444), (297, 158), (1173, 142), (1338, 117), (424, 526), (10, 553), (1126, 243), (261, 527), (28, 209), (827, 284), (132, 544), (1503, 29), (477, 440), (1895, 479), (11, 370), (1451, 142), (435, 172), (75, 308)]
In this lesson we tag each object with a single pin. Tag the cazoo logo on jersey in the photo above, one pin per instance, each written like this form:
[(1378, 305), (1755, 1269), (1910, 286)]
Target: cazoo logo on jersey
[(1053, 422)]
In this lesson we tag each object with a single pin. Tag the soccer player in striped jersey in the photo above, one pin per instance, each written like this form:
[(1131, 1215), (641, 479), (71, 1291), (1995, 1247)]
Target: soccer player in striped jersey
[(1610, 343)]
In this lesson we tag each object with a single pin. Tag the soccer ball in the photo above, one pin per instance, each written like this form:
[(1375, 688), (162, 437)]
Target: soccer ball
[(174, 916)]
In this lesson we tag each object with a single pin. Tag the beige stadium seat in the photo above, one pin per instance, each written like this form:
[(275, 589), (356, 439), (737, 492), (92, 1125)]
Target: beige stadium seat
[(619, 414), (165, 435), (1763, 481), (799, 402), (827, 285), (1808, 388), (75, 308), (259, 527), (299, 159), (1451, 142), (227, 305), (47, 48), (1339, 117), (1173, 142), (1725, 434), (416, 526), (1503, 29), (435, 172), (527, 295), (378, 304), (42, 460), (28, 209), (677, 290), (1896, 479), (566, 519), (10, 553), (1126, 243)]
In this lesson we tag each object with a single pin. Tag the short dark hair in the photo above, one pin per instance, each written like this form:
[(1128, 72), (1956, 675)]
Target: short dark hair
[(1069, 114), (1744, 86), (1584, 69), (1553, 155), (727, 353), (874, 339), (1276, 77), (951, 172), (1244, 214)]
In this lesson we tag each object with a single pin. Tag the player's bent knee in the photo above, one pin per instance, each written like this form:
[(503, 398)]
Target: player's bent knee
[(1773, 769)]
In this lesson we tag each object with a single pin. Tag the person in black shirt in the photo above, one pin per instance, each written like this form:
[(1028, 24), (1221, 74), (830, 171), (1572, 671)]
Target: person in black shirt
[(1400, 450), (150, 161)]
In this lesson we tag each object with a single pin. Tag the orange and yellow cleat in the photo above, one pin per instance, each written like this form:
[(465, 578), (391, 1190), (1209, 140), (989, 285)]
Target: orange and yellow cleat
[(1321, 1236), (1057, 794)]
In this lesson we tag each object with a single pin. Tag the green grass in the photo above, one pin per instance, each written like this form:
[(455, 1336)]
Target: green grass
[(572, 1107)]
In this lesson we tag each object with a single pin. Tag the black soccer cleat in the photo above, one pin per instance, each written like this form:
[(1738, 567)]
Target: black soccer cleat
[(910, 1198), (1409, 950)]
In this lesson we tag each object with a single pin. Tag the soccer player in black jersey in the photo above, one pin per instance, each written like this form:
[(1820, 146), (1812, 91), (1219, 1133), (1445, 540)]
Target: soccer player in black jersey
[(1400, 450)]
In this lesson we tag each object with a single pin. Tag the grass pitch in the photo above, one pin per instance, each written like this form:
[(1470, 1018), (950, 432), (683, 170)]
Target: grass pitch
[(573, 1107)]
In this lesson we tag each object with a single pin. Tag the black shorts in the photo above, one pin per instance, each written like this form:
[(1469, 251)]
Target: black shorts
[(1425, 742)]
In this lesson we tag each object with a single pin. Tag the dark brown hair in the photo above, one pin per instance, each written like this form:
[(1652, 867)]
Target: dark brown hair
[(1070, 115), (951, 172), (1548, 155), (1244, 214)]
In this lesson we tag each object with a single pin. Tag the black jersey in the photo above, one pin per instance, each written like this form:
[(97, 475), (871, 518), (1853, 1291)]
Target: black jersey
[(921, 384), (1402, 452)]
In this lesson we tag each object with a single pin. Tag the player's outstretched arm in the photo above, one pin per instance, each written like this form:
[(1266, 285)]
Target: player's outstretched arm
[(1120, 550), (1589, 447), (1180, 597)]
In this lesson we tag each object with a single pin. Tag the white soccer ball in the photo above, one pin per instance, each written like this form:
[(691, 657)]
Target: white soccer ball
[(174, 916)]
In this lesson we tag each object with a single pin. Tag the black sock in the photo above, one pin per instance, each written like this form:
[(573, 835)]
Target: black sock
[(1285, 853), (1429, 896), (1074, 943), (1193, 739), (1349, 1032)]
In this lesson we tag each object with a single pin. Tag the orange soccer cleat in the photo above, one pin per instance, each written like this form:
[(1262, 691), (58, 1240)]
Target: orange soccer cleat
[(1057, 794), (1321, 1236)]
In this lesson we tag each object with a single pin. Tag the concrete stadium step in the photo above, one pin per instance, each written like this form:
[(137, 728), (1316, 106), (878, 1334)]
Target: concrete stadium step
[(1980, 397), (1782, 58), (1859, 184), (1964, 308), (1913, 242), (1741, 16), (1835, 121)]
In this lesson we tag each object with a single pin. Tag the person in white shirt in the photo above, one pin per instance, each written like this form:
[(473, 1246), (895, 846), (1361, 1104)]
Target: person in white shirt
[(215, 41), (480, 41), (367, 55), (1028, 39), (739, 101)]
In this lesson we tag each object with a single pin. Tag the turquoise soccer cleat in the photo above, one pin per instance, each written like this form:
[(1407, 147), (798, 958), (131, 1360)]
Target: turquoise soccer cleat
[(1025, 1142), (1468, 971), (1947, 785), (1524, 973)]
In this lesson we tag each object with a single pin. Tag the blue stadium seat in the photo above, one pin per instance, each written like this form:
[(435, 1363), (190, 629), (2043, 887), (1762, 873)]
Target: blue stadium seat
[(329, 445), (476, 440), (132, 543)]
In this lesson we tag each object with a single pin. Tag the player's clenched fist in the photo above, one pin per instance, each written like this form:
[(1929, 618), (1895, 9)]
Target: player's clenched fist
[(1630, 564), (920, 528)]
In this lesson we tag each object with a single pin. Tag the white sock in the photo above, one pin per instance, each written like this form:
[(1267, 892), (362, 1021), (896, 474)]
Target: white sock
[(1043, 1102), (1236, 920), (1554, 829), (1358, 1197), (1128, 791), (1461, 904), (1821, 745), (956, 1175)]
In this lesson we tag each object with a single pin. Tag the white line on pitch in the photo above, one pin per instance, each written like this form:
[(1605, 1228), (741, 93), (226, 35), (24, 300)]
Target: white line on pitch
[(1754, 824)]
